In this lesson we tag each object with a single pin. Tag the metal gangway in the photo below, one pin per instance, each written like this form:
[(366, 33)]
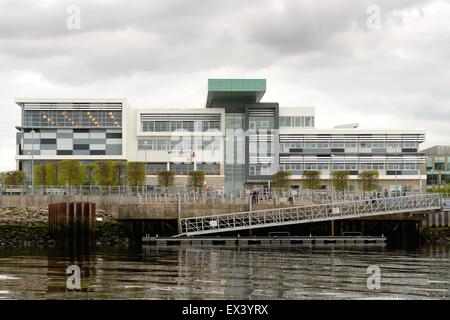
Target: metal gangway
[(306, 214)]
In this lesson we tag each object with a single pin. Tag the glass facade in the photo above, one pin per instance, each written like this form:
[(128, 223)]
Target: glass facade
[(72, 118), (438, 170), (234, 151)]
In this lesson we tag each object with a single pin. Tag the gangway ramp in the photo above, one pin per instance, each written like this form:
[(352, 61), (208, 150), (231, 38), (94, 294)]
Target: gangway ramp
[(307, 214)]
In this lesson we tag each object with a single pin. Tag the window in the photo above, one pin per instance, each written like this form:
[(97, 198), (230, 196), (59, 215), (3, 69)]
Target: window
[(252, 170), (393, 145), (309, 121), (211, 125), (182, 168), (288, 121), (264, 124), (209, 168), (154, 168), (299, 122), (323, 145), (310, 145), (252, 125), (429, 163)]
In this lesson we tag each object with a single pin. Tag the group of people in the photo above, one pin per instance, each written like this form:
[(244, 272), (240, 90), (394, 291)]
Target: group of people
[(255, 196)]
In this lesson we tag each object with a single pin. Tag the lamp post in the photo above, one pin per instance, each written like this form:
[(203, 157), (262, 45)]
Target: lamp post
[(396, 182), (332, 191), (331, 177), (32, 160), (145, 155)]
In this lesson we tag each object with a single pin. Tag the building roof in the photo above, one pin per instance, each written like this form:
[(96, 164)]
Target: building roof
[(235, 90), (21, 101), (439, 150)]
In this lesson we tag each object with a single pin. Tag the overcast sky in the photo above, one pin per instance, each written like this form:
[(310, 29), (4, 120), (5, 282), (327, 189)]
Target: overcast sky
[(333, 55)]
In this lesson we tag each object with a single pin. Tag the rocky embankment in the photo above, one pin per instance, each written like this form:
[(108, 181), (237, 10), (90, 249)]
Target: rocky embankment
[(436, 235), (29, 227)]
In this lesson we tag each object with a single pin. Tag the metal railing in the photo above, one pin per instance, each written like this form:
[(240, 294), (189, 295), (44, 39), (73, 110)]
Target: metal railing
[(321, 196), (311, 213)]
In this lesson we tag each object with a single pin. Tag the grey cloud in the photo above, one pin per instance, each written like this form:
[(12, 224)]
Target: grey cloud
[(322, 47)]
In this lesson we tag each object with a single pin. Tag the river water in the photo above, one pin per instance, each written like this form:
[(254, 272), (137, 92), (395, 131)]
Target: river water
[(298, 272)]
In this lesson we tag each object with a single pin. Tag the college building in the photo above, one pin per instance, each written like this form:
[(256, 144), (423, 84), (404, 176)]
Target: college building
[(438, 166), (237, 139)]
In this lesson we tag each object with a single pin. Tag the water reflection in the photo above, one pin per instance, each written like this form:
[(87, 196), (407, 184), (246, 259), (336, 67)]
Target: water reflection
[(329, 272)]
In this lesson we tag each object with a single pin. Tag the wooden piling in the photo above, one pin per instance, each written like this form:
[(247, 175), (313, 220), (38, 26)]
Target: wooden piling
[(72, 222)]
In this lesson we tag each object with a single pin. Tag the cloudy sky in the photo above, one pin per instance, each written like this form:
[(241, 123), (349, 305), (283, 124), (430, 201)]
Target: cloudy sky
[(392, 72)]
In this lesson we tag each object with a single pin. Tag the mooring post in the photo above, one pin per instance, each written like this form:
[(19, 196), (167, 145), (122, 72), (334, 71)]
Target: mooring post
[(250, 207), (179, 212)]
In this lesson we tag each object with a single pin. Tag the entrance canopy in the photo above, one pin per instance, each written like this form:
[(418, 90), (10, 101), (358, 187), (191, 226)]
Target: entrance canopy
[(235, 90)]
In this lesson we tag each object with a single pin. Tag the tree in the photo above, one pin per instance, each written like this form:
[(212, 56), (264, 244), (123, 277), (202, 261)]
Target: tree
[(120, 173), (71, 172), (52, 177), (368, 180), (281, 179), (340, 180), (196, 178), (166, 178), (311, 179), (2, 177), (14, 178), (40, 174), (104, 173), (89, 174), (135, 173)]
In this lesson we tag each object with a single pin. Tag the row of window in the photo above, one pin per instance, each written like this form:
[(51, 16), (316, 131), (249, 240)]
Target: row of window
[(438, 163), (439, 167), (72, 118), (285, 147), (180, 143), (296, 121), (262, 169), (183, 168), (298, 167), (172, 126)]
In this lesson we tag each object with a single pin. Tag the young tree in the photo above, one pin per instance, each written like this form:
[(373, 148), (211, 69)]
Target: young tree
[(89, 174), (40, 174), (166, 178), (340, 180), (135, 173), (368, 180), (14, 178), (71, 172), (311, 179), (196, 178), (2, 177), (52, 177), (120, 173), (104, 173), (281, 179)]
